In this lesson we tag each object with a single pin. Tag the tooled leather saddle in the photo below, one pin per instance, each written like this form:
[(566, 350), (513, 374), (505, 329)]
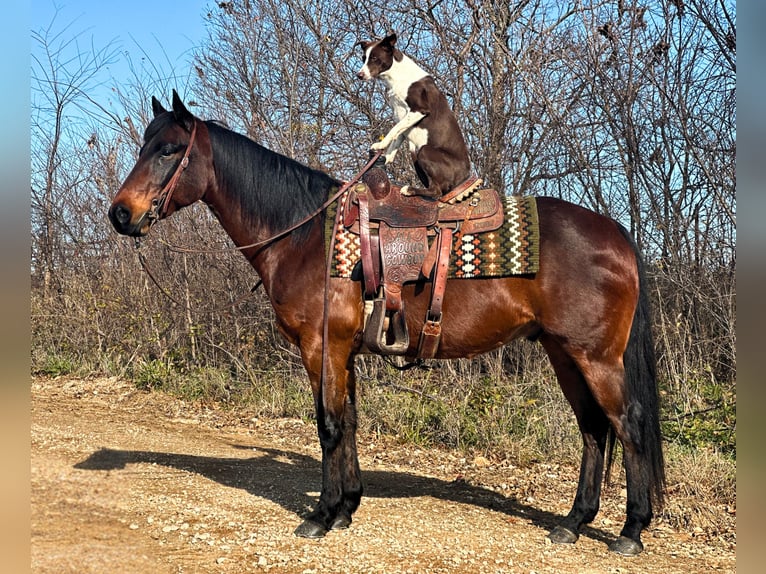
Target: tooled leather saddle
[(410, 238)]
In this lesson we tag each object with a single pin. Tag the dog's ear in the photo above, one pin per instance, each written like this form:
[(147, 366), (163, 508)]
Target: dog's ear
[(390, 39), (390, 42)]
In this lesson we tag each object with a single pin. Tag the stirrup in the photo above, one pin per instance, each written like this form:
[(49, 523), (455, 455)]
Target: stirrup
[(382, 326)]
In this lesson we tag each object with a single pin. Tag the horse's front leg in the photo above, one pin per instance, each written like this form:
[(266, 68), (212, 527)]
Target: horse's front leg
[(335, 403)]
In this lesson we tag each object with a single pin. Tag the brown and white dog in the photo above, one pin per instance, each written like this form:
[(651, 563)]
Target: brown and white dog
[(424, 116)]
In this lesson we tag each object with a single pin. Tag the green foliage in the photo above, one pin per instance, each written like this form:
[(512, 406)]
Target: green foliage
[(54, 365), (262, 394), (709, 422), (276, 395), (191, 384), (152, 375), (502, 414)]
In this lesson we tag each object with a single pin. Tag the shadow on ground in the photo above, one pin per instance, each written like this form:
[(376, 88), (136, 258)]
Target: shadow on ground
[(286, 477)]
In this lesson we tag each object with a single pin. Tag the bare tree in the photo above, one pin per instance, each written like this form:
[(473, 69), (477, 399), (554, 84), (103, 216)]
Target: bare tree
[(622, 106), (63, 73), (627, 108)]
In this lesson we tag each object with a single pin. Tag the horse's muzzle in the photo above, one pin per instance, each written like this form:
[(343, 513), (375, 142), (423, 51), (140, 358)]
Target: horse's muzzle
[(121, 218)]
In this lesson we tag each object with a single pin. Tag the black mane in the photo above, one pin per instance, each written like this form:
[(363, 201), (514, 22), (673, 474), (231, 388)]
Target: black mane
[(273, 190)]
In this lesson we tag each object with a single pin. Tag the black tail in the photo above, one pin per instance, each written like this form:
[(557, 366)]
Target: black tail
[(641, 382)]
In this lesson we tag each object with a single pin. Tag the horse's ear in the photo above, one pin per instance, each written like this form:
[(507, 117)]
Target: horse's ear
[(157, 107), (182, 115)]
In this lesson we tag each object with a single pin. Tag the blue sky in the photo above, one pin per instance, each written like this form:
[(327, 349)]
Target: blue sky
[(144, 32)]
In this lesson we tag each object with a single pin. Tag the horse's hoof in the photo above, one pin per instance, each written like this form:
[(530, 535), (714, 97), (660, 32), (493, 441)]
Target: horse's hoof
[(310, 529), (340, 523), (626, 546), (562, 535)]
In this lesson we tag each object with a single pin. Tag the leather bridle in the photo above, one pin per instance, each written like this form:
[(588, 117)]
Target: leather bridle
[(162, 201)]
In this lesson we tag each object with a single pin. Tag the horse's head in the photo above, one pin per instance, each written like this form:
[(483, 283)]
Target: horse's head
[(173, 170)]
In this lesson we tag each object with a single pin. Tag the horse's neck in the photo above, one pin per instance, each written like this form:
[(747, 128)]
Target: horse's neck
[(275, 262), (280, 264)]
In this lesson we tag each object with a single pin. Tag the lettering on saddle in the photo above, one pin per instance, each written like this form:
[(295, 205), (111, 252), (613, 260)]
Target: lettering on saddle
[(409, 238)]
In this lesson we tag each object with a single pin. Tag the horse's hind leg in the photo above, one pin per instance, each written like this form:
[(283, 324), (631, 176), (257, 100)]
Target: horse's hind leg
[(594, 427), (632, 423), (600, 397)]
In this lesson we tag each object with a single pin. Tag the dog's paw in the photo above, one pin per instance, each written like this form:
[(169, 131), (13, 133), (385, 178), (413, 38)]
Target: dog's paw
[(406, 190), (377, 146)]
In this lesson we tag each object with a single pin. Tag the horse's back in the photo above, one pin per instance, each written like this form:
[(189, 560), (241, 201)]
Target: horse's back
[(573, 226)]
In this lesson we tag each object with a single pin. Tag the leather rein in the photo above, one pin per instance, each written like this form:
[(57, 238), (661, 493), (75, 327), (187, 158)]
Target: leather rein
[(160, 205), (159, 210)]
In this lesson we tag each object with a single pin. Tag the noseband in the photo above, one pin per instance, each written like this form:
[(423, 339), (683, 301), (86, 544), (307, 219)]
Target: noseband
[(160, 204)]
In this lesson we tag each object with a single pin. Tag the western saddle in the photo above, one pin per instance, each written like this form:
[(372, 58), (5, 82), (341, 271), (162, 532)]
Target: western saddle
[(410, 238)]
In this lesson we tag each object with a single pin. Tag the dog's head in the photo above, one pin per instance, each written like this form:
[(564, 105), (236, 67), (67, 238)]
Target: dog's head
[(379, 56)]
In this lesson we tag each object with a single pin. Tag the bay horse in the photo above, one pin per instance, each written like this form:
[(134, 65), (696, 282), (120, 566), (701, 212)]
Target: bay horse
[(587, 306)]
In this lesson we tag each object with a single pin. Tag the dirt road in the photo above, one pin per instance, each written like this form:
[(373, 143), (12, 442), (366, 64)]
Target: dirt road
[(129, 482)]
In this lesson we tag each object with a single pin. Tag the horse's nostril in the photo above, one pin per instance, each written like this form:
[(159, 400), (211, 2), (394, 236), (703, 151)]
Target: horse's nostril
[(121, 214)]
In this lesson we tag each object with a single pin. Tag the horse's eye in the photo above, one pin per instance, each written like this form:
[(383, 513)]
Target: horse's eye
[(167, 150)]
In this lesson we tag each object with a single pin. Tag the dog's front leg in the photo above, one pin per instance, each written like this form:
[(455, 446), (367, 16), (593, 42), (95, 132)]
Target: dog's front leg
[(395, 137), (391, 150)]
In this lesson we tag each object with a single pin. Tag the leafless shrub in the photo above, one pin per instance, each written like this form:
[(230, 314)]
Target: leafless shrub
[(635, 119)]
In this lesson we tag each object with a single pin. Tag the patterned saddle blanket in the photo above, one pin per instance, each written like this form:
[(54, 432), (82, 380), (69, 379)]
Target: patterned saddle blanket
[(512, 249)]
